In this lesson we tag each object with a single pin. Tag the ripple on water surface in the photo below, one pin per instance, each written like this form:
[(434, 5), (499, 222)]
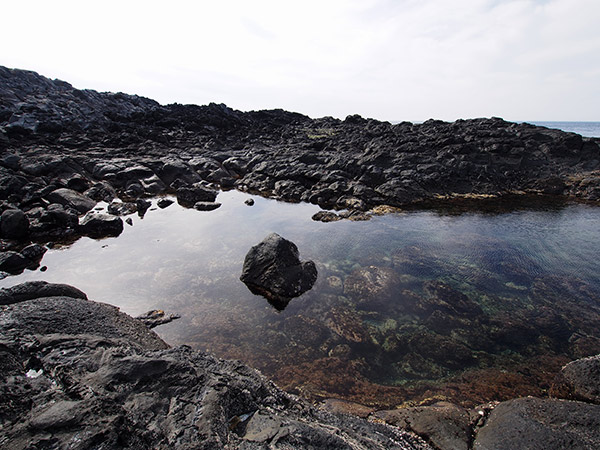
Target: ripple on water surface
[(408, 307)]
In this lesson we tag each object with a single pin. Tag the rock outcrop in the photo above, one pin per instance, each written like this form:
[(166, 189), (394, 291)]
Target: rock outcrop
[(79, 374)]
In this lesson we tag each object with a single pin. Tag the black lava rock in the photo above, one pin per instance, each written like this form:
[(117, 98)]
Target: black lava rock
[(14, 224), (100, 225), (273, 269)]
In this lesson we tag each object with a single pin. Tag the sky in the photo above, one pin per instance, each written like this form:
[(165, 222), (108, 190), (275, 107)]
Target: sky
[(386, 59)]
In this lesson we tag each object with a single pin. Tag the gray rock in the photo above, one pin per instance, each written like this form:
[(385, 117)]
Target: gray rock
[(34, 252), (273, 269), (14, 224), (188, 196), (36, 289), (121, 208), (544, 424), (443, 424), (100, 225), (72, 199), (156, 317), (206, 206), (326, 216), (580, 380), (84, 375), (101, 192), (73, 316)]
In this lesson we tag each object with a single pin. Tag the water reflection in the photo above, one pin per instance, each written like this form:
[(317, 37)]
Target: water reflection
[(407, 307)]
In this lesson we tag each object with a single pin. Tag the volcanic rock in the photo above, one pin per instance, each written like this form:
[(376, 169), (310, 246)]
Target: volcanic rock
[(14, 224), (72, 199), (206, 206), (189, 196), (580, 380), (37, 289), (443, 424), (273, 269), (100, 225), (543, 424), (80, 374)]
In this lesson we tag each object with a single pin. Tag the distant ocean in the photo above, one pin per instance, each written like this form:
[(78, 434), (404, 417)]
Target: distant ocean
[(589, 129)]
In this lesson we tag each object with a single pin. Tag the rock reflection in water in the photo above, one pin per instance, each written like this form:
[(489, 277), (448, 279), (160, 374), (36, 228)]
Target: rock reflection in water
[(408, 307)]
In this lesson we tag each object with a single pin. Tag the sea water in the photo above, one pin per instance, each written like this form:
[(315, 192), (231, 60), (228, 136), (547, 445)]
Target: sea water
[(408, 306), (587, 129)]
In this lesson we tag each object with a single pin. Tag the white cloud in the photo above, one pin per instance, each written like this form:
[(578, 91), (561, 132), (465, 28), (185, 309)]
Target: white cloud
[(390, 59)]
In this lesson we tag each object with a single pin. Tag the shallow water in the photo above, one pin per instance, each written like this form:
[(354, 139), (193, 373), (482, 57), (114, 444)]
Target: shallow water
[(410, 306)]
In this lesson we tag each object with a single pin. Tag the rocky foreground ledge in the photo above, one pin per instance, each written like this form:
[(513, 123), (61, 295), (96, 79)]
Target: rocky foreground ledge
[(79, 374)]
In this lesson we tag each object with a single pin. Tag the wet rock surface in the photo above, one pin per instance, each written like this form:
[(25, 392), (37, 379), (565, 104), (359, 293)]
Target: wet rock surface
[(80, 374), (535, 423), (579, 380), (273, 269)]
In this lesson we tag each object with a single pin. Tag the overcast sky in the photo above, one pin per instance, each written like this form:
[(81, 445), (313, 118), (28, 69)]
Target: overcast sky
[(387, 59)]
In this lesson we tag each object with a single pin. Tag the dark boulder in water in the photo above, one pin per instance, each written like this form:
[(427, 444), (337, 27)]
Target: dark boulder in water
[(13, 262), (188, 196), (100, 225), (273, 269)]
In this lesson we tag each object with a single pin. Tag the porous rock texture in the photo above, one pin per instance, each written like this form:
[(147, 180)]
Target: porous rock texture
[(82, 375)]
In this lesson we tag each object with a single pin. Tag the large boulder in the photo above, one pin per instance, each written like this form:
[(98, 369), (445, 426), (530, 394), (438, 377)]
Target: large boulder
[(273, 269), (37, 289), (14, 224), (544, 424), (100, 225), (188, 196), (72, 199)]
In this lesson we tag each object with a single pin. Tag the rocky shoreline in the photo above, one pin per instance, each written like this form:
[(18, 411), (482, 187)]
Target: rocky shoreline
[(58, 142), (80, 374)]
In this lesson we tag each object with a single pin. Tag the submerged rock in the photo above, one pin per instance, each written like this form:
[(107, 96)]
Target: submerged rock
[(273, 269)]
